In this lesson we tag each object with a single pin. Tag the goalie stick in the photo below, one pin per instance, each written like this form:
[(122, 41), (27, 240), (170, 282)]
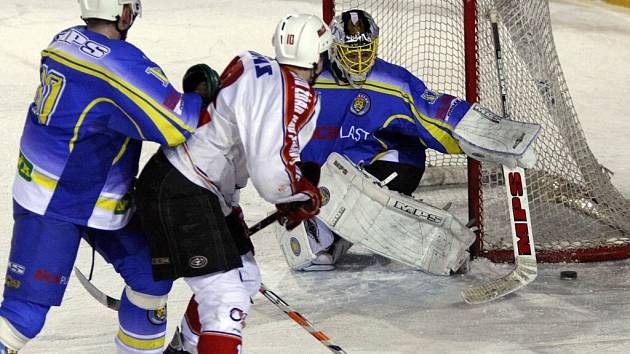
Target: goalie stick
[(526, 269), (114, 303)]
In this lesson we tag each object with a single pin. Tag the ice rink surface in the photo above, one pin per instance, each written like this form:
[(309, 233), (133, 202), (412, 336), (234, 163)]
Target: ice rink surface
[(369, 305)]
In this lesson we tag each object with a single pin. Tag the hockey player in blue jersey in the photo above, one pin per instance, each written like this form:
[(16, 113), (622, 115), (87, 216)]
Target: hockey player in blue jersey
[(382, 118), (99, 97)]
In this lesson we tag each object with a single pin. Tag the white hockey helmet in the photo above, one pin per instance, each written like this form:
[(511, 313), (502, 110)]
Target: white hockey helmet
[(300, 40), (109, 10), (355, 45)]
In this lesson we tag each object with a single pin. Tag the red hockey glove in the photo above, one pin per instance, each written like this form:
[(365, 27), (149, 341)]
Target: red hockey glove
[(292, 214)]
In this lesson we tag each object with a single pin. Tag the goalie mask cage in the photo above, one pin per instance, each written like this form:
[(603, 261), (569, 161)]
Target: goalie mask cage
[(576, 212)]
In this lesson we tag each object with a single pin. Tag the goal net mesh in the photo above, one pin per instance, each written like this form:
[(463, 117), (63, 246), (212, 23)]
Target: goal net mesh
[(576, 212)]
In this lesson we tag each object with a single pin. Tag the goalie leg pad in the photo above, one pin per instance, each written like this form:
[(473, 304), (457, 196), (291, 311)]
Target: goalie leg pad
[(389, 223), (485, 136)]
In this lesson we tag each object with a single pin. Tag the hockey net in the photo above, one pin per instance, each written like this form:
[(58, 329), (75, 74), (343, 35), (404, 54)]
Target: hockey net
[(576, 212)]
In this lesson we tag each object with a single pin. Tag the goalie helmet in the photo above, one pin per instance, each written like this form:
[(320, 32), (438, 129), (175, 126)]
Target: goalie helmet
[(301, 40), (355, 45), (109, 10)]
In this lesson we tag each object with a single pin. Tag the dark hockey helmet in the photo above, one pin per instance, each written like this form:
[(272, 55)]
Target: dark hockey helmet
[(355, 44)]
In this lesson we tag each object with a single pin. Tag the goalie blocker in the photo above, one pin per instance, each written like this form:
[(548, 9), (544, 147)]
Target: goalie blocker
[(361, 211)]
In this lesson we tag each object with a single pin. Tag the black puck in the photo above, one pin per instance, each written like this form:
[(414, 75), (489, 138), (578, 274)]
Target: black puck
[(568, 274)]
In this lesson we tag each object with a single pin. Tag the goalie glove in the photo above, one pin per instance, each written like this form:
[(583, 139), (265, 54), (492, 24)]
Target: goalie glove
[(202, 79), (291, 214), (485, 136)]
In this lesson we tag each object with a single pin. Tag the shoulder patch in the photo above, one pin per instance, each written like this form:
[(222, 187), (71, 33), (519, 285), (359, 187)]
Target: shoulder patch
[(430, 96)]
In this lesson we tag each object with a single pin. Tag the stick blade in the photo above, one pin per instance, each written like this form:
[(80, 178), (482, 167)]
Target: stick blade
[(525, 272)]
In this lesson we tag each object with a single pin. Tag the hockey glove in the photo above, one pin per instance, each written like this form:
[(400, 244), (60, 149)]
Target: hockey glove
[(293, 213), (202, 79)]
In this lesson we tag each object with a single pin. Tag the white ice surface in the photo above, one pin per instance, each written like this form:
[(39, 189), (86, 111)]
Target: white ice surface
[(369, 305)]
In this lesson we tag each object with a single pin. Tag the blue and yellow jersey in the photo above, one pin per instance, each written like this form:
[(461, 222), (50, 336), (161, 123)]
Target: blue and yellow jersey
[(97, 100), (392, 117)]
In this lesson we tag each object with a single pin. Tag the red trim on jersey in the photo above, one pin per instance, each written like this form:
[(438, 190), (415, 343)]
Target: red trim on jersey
[(299, 104), (204, 117), (232, 72)]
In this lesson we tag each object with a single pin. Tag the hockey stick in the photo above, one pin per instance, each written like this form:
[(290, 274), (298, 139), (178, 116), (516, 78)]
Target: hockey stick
[(297, 317), (114, 303), (526, 269)]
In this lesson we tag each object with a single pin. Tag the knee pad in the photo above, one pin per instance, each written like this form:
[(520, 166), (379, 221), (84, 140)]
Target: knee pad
[(223, 301)]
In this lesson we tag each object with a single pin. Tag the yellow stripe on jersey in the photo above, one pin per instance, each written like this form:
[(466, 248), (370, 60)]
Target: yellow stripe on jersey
[(88, 108), (398, 116), (156, 112), (143, 344), (44, 181), (122, 151), (433, 126), (107, 204), (118, 205)]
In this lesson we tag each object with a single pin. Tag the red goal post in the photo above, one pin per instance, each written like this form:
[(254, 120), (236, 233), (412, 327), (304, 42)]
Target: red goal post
[(577, 213)]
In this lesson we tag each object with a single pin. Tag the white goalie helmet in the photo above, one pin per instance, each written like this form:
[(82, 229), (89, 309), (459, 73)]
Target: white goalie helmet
[(355, 45), (300, 40), (109, 10)]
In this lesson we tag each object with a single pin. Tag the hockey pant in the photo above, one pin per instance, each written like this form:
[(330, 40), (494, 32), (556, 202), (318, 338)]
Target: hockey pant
[(189, 235), (216, 313), (43, 251)]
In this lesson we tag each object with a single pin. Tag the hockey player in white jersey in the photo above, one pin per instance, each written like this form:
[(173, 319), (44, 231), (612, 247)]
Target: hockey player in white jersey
[(264, 114)]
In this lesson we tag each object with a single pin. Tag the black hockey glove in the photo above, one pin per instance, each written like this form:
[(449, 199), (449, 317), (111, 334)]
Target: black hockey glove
[(202, 79)]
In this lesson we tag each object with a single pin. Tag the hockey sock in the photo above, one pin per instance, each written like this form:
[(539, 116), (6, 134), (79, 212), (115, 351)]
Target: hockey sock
[(219, 343), (140, 330)]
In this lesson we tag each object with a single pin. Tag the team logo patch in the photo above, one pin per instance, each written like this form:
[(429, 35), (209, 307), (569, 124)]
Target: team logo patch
[(198, 262), (325, 194), (237, 314), (361, 104), (295, 246), (25, 167), (157, 317)]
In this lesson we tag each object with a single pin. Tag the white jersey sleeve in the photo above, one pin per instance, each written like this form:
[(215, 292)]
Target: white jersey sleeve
[(261, 119)]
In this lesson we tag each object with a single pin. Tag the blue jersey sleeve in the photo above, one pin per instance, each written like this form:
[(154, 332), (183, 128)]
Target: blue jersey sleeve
[(126, 86), (437, 113), (152, 108)]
